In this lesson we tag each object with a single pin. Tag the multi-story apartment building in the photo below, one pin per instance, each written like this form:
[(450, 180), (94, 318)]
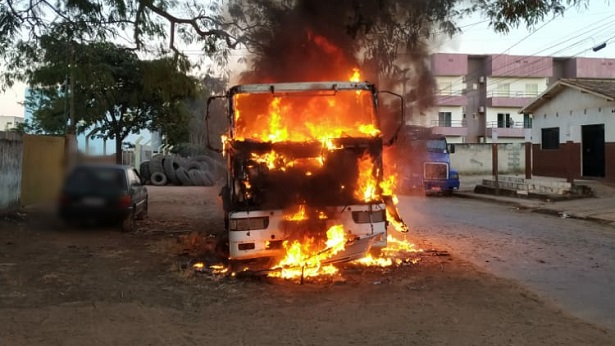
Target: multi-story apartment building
[(8, 123), (478, 97)]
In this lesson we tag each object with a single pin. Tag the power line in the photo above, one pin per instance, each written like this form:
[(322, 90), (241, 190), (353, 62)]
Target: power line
[(593, 31), (494, 57)]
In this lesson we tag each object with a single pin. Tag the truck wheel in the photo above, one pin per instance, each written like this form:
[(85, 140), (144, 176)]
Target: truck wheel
[(222, 244)]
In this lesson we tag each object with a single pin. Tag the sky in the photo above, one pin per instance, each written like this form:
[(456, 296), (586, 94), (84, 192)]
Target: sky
[(573, 34)]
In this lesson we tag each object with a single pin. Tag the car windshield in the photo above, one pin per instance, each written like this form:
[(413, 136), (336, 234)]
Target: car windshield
[(97, 179), (436, 146)]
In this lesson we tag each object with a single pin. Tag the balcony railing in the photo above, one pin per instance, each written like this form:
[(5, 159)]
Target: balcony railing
[(445, 92), (450, 123), (511, 93), (504, 125)]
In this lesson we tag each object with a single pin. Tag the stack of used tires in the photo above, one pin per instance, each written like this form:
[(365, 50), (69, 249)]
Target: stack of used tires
[(175, 170)]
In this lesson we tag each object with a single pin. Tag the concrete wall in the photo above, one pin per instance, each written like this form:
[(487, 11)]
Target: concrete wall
[(477, 158), (517, 86), (520, 66), (569, 110), (43, 169), (443, 64), (11, 145)]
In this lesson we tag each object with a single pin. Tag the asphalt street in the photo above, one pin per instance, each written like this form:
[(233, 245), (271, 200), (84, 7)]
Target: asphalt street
[(570, 263)]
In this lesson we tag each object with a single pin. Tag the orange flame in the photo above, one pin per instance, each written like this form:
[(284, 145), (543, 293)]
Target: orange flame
[(356, 75), (304, 259), (323, 117), (367, 183), (299, 215), (396, 252)]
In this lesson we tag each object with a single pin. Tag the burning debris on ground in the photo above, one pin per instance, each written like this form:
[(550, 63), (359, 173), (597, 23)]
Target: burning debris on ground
[(303, 263)]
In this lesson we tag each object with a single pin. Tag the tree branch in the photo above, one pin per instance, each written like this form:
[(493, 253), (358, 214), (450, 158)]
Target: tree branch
[(231, 41)]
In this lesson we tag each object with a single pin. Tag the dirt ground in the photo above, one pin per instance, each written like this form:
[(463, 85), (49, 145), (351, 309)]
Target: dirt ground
[(97, 286)]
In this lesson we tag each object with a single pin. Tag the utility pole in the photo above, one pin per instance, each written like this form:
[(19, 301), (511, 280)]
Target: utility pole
[(494, 160), (70, 144)]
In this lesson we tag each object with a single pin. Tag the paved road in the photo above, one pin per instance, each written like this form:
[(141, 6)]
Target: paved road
[(569, 262)]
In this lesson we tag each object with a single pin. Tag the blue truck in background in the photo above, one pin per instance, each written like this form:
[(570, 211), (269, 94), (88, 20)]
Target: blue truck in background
[(424, 162)]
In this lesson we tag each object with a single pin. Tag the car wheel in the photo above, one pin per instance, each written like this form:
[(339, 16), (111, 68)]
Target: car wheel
[(128, 224), (143, 213)]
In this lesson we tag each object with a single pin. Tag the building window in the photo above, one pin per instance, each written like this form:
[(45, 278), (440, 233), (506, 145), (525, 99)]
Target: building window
[(446, 89), (527, 121), (505, 120), (444, 119), (502, 90), (531, 90), (550, 138)]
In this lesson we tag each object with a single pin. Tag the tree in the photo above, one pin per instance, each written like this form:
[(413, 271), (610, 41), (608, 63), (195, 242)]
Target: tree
[(114, 92), (221, 25)]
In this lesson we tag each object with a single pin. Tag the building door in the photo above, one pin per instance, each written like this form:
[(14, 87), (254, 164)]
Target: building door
[(593, 150)]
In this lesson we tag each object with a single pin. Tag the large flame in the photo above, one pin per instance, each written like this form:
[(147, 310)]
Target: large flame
[(304, 258), (367, 183), (314, 116), (317, 117), (397, 252)]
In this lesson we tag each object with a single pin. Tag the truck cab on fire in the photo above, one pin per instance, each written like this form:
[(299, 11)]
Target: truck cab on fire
[(304, 159)]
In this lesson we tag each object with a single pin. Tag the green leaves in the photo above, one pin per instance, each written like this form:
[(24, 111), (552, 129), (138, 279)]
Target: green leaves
[(115, 93)]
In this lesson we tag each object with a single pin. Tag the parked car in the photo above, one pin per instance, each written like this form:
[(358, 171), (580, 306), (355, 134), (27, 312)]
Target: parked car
[(103, 193)]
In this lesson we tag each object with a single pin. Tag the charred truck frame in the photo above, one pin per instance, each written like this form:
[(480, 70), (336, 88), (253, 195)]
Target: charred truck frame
[(292, 177)]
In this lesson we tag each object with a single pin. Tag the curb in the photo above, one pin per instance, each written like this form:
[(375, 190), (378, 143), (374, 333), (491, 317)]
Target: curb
[(538, 210)]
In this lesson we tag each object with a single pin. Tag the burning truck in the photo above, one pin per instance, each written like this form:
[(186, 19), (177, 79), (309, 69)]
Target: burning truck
[(305, 186)]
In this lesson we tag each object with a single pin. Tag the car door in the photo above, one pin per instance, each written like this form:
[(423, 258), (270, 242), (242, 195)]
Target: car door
[(137, 190)]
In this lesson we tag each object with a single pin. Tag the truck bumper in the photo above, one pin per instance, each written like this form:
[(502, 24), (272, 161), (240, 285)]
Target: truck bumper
[(262, 233)]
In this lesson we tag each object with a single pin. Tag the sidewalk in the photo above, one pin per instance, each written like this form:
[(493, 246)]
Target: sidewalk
[(600, 208)]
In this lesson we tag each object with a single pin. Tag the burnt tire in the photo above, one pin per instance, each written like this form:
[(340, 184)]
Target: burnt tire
[(208, 178), (201, 166), (144, 171), (195, 176), (218, 170), (169, 165), (159, 179), (183, 177), (155, 165)]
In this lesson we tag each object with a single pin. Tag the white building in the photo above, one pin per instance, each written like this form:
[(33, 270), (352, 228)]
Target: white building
[(8, 123), (573, 132)]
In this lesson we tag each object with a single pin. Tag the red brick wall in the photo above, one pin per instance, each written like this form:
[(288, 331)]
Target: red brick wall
[(609, 153), (552, 163)]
